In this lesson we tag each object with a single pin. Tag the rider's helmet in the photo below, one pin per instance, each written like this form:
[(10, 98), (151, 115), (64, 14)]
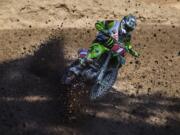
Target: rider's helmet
[(129, 23)]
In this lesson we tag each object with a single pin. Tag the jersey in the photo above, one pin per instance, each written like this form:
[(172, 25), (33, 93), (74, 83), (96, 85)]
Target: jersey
[(116, 30)]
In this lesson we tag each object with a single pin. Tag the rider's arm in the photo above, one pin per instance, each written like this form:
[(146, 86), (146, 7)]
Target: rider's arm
[(100, 26), (129, 48)]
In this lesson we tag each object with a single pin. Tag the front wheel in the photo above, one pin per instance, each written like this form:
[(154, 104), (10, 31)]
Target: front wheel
[(99, 89)]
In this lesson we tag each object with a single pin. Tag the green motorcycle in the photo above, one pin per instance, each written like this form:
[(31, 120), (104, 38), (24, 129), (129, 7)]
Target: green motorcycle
[(101, 73)]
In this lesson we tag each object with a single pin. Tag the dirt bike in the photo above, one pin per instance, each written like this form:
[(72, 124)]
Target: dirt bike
[(100, 73)]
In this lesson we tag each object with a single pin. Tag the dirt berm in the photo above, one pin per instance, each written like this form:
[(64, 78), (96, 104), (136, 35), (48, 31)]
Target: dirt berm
[(38, 39)]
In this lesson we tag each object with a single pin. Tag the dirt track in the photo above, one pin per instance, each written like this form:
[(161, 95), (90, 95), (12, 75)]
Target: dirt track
[(37, 39)]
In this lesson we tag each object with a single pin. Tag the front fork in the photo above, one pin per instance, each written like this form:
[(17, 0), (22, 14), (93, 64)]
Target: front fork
[(104, 68), (105, 65)]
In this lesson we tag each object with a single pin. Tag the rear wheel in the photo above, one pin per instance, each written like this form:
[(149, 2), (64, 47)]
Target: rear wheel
[(100, 89), (69, 76)]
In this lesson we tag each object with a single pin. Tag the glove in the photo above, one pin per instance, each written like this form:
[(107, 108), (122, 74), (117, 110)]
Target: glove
[(131, 51), (110, 42), (136, 54)]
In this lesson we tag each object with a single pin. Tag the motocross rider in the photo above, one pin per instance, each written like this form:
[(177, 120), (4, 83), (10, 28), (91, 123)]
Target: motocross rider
[(113, 34)]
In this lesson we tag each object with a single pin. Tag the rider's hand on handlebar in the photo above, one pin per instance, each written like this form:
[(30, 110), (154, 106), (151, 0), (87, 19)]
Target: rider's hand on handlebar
[(136, 54)]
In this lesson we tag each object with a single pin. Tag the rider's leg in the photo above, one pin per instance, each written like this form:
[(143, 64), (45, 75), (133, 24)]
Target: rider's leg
[(86, 56), (96, 50)]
